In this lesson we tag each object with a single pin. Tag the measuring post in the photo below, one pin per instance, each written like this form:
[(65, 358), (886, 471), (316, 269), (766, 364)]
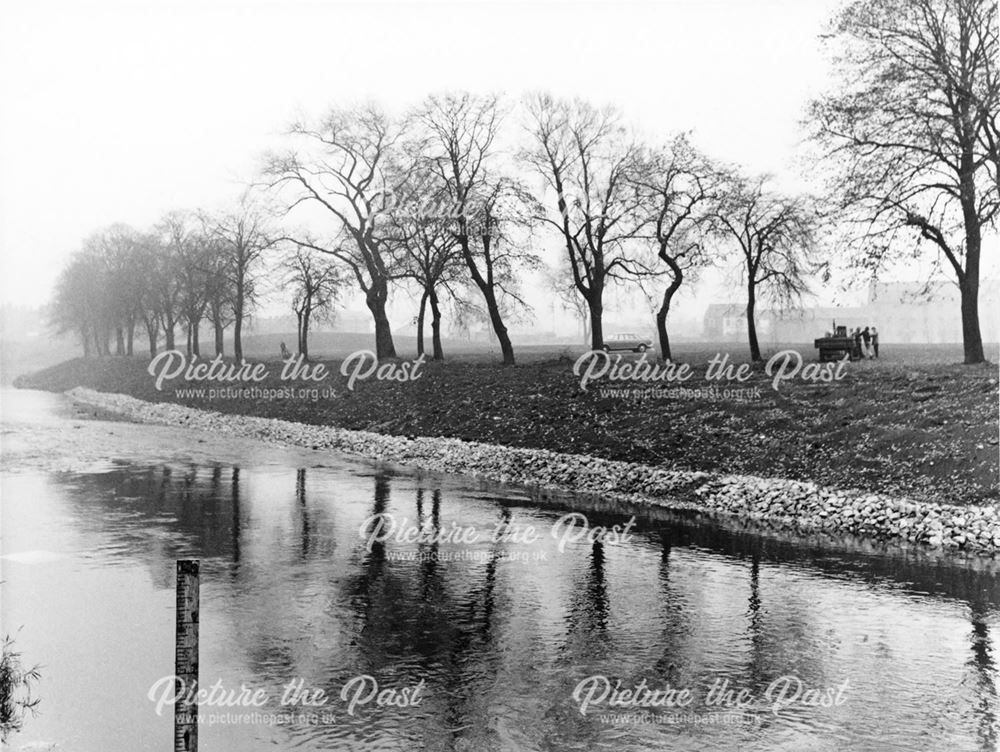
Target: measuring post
[(186, 656)]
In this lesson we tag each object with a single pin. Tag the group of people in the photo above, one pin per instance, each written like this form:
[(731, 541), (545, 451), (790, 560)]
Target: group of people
[(866, 341)]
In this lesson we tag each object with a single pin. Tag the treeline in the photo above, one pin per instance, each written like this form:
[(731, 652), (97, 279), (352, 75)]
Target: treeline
[(189, 269), (449, 200), (431, 204)]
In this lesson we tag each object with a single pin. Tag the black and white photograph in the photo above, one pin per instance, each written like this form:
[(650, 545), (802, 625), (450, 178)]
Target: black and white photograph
[(499, 376)]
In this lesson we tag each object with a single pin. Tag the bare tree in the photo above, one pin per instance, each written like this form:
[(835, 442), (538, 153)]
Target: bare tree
[(190, 251), (500, 216), (316, 283), (220, 295), (776, 236), (676, 185), (117, 248), (433, 259), (589, 165), (173, 231), (487, 209), (80, 303), (350, 171), (912, 132), (245, 236), (100, 293), (149, 271)]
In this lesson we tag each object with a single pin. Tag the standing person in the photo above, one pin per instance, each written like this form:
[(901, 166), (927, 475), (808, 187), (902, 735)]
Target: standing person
[(866, 342), (875, 341), (856, 336)]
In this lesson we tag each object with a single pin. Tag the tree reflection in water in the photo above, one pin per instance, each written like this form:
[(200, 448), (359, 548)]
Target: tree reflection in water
[(299, 595)]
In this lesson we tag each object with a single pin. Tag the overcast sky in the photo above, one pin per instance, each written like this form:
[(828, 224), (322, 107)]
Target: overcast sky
[(120, 111)]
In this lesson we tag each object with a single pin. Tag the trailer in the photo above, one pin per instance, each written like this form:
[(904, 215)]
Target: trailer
[(837, 345)]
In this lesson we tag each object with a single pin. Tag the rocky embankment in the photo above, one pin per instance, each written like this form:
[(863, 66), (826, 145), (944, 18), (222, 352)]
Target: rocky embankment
[(781, 504)]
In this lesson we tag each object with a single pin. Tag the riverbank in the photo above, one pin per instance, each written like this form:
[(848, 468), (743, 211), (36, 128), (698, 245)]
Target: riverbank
[(912, 425), (782, 504)]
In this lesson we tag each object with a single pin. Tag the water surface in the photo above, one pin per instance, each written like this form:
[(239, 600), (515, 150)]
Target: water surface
[(499, 632)]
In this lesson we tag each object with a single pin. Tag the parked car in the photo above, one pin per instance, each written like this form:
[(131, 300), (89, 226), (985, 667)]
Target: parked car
[(632, 342)]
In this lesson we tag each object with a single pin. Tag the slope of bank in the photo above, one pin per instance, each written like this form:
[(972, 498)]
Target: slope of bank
[(906, 428), (783, 504)]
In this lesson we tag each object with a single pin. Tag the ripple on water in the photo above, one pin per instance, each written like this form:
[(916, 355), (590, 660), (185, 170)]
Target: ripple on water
[(290, 591)]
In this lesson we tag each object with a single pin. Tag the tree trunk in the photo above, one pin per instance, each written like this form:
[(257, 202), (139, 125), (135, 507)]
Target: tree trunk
[(119, 340), (486, 288), (661, 325), (305, 334), (594, 296), (499, 327), (100, 345), (752, 323), (168, 333), (151, 333), (677, 277), (375, 299), (595, 306), (195, 342), (239, 306), (220, 336), (420, 323), (130, 338), (972, 338), (436, 326), (298, 331), (238, 332)]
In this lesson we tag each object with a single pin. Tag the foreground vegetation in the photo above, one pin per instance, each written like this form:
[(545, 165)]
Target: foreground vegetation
[(911, 424)]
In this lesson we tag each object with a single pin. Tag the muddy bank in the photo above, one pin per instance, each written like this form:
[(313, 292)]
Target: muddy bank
[(783, 504), (923, 431)]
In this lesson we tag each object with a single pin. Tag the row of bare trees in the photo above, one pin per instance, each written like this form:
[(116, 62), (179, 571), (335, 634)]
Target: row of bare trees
[(192, 268), (625, 211), (419, 200), (435, 198), (450, 199)]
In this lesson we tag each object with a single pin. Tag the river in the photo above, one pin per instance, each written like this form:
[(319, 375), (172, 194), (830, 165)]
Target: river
[(476, 640)]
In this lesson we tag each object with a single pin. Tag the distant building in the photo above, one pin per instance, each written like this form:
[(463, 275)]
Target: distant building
[(808, 324), (921, 313), (727, 322), (358, 322), (902, 312)]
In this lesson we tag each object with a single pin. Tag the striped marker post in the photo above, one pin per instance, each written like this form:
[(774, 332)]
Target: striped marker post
[(186, 655)]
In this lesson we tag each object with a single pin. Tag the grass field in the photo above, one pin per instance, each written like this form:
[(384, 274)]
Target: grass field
[(914, 423)]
